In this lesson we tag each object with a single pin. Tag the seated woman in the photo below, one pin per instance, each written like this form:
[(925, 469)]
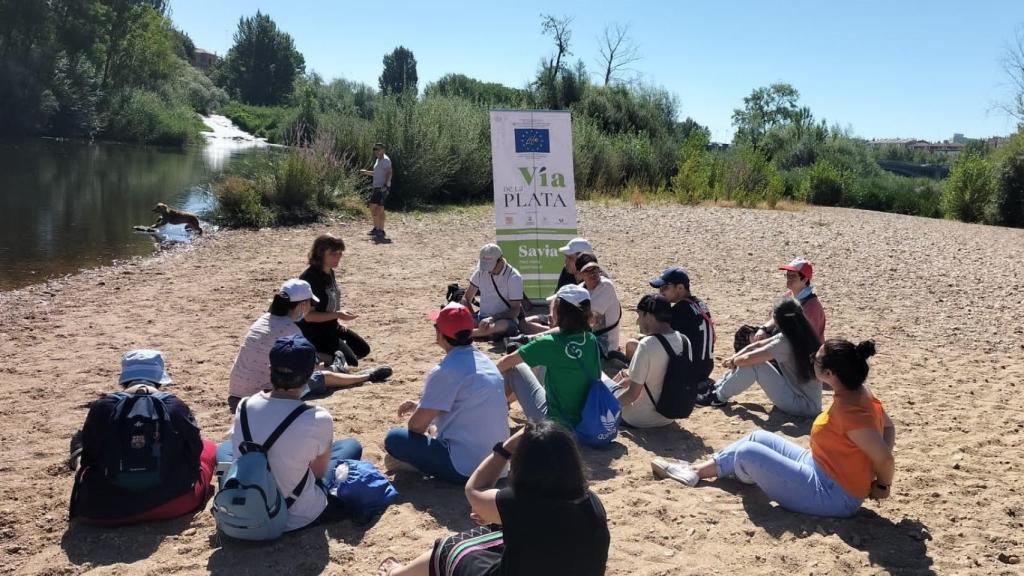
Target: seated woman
[(570, 359), (322, 325), (550, 523), (781, 365), (251, 373), (142, 457), (850, 457)]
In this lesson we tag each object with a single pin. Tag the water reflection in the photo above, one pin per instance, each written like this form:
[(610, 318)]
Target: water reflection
[(67, 205)]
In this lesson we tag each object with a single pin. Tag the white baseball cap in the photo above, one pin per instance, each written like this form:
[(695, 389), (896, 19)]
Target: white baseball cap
[(489, 256), (572, 293), (577, 246), (298, 290)]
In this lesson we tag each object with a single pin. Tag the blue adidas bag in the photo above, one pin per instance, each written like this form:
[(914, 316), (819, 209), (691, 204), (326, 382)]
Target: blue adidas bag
[(365, 492), (599, 420), (249, 504)]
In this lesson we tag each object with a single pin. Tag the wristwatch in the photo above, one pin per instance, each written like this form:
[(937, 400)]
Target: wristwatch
[(499, 449)]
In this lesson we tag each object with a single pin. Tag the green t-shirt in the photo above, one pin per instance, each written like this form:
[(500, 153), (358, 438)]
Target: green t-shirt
[(565, 383)]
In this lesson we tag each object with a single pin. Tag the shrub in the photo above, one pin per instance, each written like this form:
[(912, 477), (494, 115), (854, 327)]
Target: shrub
[(825, 185), (968, 189), (693, 180), (262, 121), (1008, 203), (143, 116), (240, 203)]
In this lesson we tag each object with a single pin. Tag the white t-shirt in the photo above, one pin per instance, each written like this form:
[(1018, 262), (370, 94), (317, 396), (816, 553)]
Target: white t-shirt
[(309, 436), (469, 391), (508, 281), (605, 306), (251, 370), (380, 171), (648, 367)]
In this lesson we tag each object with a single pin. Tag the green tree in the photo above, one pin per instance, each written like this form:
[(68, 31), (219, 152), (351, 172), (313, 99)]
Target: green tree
[(1008, 204), (399, 75), (693, 180), (968, 189), (765, 108), (262, 66), (489, 93)]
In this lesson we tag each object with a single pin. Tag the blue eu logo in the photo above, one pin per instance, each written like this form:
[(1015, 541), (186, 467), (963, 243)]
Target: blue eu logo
[(533, 140)]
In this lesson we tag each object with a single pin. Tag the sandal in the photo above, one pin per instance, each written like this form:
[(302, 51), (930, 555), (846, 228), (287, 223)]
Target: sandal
[(678, 470), (388, 566)]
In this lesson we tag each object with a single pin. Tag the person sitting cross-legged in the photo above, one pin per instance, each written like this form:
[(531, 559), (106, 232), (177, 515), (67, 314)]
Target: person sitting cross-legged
[(142, 458), (500, 287), (546, 522), (462, 412), (781, 365), (306, 450), (850, 457)]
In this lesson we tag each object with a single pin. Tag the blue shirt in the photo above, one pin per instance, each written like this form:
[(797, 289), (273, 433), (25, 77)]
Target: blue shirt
[(468, 390)]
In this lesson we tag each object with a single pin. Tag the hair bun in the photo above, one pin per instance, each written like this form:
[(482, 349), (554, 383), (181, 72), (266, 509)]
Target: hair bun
[(866, 349)]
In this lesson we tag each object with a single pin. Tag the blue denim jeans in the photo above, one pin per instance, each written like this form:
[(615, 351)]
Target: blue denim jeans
[(347, 449), (428, 455), (787, 473)]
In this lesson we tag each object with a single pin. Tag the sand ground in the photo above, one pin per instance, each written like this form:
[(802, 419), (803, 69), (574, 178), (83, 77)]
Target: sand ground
[(942, 299)]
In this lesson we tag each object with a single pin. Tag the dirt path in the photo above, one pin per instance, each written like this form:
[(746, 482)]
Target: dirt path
[(942, 299)]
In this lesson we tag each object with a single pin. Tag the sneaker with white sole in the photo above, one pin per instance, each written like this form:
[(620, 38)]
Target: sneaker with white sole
[(678, 470)]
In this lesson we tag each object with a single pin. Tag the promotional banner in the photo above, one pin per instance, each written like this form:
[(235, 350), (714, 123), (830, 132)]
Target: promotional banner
[(534, 193)]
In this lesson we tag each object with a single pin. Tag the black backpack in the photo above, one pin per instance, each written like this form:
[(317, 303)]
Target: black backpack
[(143, 443), (679, 388)]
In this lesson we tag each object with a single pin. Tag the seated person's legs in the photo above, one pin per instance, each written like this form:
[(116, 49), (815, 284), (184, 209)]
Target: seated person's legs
[(521, 382), (426, 454)]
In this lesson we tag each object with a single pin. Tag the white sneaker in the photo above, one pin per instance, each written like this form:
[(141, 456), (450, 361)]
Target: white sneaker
[(678, 470)]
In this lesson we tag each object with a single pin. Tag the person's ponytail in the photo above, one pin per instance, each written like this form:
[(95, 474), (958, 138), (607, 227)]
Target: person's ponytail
[(866, 349)]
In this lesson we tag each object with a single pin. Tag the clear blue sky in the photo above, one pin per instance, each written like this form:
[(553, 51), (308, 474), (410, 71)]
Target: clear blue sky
[(884, 69)]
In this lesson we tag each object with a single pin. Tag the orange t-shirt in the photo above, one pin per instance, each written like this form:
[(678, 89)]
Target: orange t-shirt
[(833, 450)]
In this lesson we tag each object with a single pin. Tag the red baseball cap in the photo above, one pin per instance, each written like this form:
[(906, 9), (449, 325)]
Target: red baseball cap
[(800, 266), (452, 319)]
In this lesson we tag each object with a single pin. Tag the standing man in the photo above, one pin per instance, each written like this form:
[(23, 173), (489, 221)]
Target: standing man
[(381, 175)]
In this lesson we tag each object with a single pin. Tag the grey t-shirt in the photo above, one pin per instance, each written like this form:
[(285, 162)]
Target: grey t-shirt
[(380, 171), (782, 352)]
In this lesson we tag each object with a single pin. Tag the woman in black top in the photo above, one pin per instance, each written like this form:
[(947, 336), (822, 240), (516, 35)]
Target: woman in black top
[(545, 523), (322, 326)]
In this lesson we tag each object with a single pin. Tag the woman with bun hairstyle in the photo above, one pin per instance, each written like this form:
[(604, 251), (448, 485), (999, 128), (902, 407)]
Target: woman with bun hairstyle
[(850, 457)]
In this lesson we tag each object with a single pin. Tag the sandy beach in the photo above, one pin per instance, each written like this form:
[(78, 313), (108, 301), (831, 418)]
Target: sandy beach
[(942, 299)]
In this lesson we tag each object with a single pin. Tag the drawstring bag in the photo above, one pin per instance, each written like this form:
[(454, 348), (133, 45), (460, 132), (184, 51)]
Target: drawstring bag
[(599, 420)]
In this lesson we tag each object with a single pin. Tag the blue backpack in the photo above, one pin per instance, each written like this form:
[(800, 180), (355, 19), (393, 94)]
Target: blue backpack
[(249, 504), (365, 492), (599, 420)]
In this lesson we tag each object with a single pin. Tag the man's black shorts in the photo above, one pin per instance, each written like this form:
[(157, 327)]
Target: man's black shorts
[(379, 195)]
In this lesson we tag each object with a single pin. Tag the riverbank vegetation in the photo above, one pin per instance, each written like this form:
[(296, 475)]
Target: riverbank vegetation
[(111, 69), (627, 137)]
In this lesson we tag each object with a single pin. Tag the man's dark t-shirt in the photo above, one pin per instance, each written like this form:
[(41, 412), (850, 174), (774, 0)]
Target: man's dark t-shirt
[(322, 335), (98, 498), (688, 319), (565, 278), (550, 537)]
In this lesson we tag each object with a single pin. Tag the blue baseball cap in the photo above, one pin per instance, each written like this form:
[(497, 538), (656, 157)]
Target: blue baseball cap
[(145, 365), (292, 361), (672, 275)]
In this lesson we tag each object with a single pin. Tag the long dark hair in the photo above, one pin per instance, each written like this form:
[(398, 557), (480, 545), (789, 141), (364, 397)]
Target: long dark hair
[(547, 464), (847, 361), (322, 244), (281, 305), (570, 318), (789, 317)]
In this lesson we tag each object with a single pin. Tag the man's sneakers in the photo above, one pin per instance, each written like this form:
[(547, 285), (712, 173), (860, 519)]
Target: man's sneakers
[(376, 233), (512, 343), (678, 470), (709, 398), (380, 373)]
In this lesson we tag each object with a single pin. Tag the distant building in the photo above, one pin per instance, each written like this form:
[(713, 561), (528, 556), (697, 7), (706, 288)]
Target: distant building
[(958, 138), (204, 60), (948, 148)]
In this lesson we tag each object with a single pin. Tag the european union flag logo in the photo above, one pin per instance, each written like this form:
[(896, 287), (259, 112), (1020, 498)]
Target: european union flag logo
[(533, 140)]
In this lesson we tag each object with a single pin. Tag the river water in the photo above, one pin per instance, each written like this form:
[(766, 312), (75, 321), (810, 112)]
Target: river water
[(66, 205)]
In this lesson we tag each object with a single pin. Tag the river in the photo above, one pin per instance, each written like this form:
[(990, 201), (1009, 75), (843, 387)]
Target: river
[(66, 205)]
